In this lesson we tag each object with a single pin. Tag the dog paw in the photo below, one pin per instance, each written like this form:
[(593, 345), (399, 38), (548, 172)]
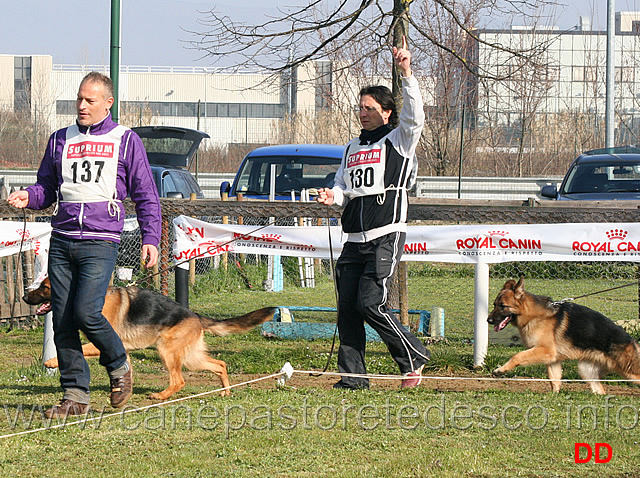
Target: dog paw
[(225, 393), (156, 396), (52, 363), (498, 371)]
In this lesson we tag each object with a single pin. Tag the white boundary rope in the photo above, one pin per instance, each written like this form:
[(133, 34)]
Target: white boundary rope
[(440, 377), (282, 377), (130, 409)]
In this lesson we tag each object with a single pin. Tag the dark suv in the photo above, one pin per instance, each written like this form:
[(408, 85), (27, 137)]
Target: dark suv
[(170, 150), (600, 174)]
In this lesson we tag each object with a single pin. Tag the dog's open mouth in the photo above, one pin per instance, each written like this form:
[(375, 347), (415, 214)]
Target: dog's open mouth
[(503, 323), (44, 308)]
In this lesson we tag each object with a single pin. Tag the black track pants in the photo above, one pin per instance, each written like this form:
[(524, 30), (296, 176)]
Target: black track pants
[(363, 275)]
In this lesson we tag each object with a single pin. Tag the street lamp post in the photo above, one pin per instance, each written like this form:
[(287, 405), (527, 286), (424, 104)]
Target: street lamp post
[(114, 67), (610, 79)]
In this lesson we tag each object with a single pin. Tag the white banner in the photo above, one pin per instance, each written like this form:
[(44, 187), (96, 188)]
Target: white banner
[(14, 236), (35, 237), (195, 239), (466, 244)]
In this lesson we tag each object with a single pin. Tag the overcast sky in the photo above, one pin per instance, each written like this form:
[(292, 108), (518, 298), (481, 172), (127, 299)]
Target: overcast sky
[(153, 31)]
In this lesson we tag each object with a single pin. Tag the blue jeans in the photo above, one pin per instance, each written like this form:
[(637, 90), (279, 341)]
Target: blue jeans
[(80, 271)]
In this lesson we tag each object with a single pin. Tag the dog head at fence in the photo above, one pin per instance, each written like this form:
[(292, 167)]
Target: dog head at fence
[(40, 295)]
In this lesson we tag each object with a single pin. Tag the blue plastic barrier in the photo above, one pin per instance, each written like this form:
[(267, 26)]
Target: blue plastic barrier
[(284, 325)]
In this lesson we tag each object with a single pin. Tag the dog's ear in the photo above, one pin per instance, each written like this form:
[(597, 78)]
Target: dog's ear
[(509, 285), (519, 288)]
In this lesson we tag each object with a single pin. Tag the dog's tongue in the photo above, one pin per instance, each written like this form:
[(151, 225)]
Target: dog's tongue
[(44, 308), (502, 324)]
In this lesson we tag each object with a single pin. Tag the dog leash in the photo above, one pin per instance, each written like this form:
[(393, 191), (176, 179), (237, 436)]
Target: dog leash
[(17, 268), (335, 292), (570, 299)]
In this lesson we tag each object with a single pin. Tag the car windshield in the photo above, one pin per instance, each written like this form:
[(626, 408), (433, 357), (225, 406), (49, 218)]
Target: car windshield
[(291, 174), (167, 145), (603, 178)]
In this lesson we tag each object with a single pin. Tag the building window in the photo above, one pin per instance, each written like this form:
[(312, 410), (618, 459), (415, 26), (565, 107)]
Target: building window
[(592, 74), (577, 73), (234, 110), (190, 109), (289, 89), (624, 74), (324, 87), (222, 110), (22, 84)]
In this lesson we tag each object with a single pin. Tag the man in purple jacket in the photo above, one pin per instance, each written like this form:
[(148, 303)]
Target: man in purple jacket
[(87, 170)]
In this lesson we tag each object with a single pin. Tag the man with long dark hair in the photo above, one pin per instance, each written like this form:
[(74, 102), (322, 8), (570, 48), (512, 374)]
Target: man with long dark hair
[(372, 184)]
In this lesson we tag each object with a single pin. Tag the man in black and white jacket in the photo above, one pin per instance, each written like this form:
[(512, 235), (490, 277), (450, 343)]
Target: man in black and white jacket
[(372, 183)]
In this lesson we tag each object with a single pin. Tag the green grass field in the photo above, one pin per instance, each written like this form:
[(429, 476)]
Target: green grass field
[(468, 428)]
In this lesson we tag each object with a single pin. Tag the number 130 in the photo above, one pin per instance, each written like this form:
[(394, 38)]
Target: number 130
[(360, 177)]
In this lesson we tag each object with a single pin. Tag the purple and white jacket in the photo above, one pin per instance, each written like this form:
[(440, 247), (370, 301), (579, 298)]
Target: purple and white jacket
[(87, 172)]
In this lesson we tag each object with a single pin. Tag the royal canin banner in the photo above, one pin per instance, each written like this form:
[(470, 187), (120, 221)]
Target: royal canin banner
[(32, 236), (14, 237), (466, 244)]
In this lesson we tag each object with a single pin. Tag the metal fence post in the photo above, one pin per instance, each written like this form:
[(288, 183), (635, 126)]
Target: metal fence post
[(182, 286)]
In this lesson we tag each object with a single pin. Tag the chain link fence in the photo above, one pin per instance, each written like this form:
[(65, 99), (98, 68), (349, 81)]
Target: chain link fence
[(424, 285)]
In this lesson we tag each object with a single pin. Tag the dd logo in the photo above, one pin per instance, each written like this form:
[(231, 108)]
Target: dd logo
[(589, 453)]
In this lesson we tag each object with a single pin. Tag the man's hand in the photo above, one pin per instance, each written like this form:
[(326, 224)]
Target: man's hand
[(402, 58), (19, 199), (325, 196), (150, 255)]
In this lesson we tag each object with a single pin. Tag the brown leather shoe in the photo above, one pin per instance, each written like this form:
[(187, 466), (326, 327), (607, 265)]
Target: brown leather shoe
[(121, 389), (67, 408)]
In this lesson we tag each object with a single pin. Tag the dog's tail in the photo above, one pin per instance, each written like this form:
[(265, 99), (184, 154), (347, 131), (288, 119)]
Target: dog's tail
[(240, 324)]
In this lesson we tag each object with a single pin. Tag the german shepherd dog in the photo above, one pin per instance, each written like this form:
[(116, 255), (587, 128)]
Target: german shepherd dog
[(553, 333), (143, 318)]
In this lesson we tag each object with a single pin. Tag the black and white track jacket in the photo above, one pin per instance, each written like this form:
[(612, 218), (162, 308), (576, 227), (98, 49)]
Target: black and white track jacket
[(374, 177)]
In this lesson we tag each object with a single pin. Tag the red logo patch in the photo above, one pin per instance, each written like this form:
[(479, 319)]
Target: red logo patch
[(364, 157), (91, 149)]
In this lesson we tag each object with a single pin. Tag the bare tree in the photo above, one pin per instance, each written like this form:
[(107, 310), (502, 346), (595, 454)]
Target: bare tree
[(43, 114), (356, 37), (313, 31), (26, 124), (133, 114), (449, 91)]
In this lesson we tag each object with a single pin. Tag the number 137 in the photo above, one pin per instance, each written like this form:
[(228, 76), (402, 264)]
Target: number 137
[(85, 173)]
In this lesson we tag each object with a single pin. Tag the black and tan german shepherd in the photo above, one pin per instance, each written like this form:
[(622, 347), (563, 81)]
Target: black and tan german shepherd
[(553, 333), (143, 318)]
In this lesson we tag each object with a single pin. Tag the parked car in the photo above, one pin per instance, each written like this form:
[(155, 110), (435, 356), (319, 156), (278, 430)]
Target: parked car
[(293, 167), (170, 150), (600, 174)]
